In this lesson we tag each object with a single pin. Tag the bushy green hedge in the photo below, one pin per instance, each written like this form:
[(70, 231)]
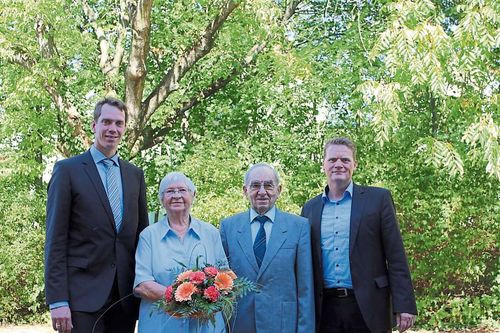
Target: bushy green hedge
[(22, 230)]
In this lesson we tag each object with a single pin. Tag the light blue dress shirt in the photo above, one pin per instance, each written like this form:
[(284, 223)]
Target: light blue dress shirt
[(335, 227), (158, 249), (268, 225), (97, 156)]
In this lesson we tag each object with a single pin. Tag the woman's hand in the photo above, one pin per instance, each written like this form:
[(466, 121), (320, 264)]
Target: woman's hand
[(150, 290)]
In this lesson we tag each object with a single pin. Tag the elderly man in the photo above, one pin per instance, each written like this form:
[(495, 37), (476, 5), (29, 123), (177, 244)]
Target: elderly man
[(360, 266), (271, 248), (96, 208)]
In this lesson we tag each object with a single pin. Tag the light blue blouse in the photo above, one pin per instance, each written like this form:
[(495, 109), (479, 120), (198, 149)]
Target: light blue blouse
[(158, 249)]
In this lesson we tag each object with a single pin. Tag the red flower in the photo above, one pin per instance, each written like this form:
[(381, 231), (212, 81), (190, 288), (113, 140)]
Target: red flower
[(211, 271), (197, 277), (211, 293), (169, 293)]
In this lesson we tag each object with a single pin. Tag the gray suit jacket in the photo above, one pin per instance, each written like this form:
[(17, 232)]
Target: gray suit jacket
[(285, 302)]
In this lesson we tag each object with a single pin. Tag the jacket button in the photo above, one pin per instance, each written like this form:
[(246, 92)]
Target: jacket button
[(113, 265)]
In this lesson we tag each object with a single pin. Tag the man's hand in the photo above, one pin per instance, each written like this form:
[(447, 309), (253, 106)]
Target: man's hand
[(404, 321), (61, 319)]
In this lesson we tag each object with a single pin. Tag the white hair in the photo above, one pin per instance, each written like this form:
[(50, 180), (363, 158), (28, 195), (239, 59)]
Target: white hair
[(246, 178), (173, 177)]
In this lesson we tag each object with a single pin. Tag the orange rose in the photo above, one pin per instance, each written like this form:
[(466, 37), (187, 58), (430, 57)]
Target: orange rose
[(185, 291), (223, 281)]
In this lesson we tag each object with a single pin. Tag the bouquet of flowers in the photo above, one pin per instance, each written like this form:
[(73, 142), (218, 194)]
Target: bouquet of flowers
[(201, 292)]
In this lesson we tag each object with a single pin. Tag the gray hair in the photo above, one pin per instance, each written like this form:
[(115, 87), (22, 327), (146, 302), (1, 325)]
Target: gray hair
[(173, 177), (246, 179)]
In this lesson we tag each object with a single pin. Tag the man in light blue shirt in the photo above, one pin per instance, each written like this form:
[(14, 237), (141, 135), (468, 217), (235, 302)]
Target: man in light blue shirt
[(361, 273)]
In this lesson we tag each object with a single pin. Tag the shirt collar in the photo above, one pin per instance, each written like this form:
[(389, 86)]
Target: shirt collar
[(194, 227), (348, 191), (98, 156), (271, 214)]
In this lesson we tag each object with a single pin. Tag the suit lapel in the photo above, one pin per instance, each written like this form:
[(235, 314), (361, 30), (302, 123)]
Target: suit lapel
[(93, 174), (317, 211), (277, 238), (358, 203), (245, 240)]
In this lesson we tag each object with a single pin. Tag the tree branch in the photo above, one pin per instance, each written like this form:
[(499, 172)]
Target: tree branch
[(170, 81), (153, 137), (99, 32), (109, 64), (48, 50), (135, 74)]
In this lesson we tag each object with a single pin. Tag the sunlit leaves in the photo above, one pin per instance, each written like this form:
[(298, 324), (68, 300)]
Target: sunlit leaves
[(484, 135), (441, 155), (384, 102), (443, 58)]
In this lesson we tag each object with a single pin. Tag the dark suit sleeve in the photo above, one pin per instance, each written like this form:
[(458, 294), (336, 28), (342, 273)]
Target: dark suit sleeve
[(143, 208), (57, 224), (403, 297)]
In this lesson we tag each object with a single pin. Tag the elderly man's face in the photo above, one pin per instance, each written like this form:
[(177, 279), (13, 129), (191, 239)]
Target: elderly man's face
[(262, 189), (177, 197)]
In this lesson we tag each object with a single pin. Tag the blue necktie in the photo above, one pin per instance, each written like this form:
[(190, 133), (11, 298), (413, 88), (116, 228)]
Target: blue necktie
[(113, 192), (259, 245)]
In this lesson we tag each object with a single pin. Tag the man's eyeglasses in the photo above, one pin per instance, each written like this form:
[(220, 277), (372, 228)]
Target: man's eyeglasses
[(256, 186), (172, 191)]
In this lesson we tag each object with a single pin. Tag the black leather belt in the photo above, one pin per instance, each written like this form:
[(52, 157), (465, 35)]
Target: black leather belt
[(338, 292)]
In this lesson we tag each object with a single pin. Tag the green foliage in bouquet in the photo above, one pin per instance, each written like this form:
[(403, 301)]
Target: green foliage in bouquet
[(202, 292)]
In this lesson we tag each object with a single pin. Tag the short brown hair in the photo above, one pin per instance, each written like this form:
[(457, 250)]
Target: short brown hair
[(342, 142), (110, 101)]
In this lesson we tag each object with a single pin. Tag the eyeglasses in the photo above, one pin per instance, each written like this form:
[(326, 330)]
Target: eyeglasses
[(256, 186), (172, 191)]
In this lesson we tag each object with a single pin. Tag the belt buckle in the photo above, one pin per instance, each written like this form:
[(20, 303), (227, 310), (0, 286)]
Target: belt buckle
[(344, 292)]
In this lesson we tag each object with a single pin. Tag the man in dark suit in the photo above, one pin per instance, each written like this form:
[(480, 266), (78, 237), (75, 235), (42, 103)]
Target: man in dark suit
[(96, 208), (273, 249), (361, 273)]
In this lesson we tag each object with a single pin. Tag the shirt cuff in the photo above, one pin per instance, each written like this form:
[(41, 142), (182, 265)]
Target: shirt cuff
[(58, 305)]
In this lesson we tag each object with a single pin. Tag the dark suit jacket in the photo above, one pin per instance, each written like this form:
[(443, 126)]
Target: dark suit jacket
[(285, 301), (379, 268), (83, 251)]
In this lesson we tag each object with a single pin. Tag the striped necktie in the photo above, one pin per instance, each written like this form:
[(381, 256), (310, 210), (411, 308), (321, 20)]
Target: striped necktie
[(259, 245), (113, 191)]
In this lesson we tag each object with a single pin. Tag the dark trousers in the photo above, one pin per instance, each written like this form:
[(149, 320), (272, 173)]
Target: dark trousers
[(115, 320), (341, 315)]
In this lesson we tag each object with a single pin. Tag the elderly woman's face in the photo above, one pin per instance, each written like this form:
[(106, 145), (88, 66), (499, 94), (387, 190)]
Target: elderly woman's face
[(177, 197)]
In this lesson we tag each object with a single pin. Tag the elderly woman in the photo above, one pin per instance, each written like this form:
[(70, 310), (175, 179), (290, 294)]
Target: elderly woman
[(179, 237)]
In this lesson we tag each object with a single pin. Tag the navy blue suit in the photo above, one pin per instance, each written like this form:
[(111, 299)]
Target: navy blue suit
[(379, 268)]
